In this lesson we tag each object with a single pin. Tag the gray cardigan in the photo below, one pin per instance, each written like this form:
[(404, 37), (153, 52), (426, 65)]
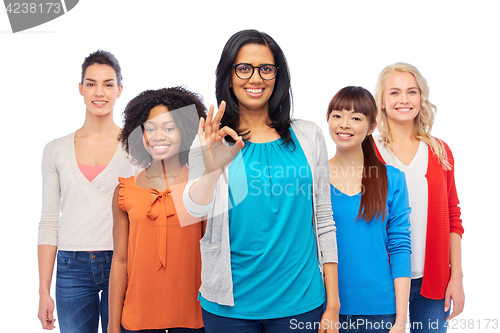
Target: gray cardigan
[(216, 277), (76, 213)]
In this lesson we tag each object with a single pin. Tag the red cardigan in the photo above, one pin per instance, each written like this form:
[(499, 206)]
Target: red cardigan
[(443, 218)]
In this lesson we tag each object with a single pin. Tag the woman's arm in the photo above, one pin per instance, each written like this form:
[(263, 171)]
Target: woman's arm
[(48, 233), (46, 259), (399, 244), (207, 162), (330, 317), (455, 289), (327, 237), (324, 216), (402, 292), (118, 275)]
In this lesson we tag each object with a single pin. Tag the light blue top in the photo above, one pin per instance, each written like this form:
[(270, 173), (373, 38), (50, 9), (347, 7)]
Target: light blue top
[(366, 272), (274, 262)]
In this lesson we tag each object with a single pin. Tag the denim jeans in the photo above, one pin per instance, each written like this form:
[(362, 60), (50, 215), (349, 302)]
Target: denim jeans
[(366, 323), (82, 290), (306, 322), (426, 315), (170, 330)]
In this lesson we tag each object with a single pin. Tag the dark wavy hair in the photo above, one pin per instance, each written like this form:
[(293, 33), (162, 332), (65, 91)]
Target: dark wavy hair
[(103, 58), (374, 194), (280, 102), (137, 112)]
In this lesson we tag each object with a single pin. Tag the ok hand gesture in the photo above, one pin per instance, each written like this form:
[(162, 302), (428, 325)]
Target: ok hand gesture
[(217, 155)]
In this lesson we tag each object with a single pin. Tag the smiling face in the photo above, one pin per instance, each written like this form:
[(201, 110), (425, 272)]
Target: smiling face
[(253, 93), (100, 89), (162, 137), (401, 98), (349, 129)]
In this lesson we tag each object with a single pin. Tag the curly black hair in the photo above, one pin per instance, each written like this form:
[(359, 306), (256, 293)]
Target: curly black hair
[(137, 112)]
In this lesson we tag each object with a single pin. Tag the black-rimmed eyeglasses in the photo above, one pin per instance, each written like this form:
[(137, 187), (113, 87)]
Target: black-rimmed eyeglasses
[(245, 71)]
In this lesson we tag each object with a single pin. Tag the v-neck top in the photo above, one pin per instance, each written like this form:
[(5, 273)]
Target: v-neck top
[(76, 212), (418, 193), (365, 272)]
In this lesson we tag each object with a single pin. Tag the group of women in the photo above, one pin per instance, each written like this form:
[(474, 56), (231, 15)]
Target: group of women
[(228, 225)]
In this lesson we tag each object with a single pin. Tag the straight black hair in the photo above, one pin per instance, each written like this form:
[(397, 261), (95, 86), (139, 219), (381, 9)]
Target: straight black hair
[(280, 102), (374, 184)]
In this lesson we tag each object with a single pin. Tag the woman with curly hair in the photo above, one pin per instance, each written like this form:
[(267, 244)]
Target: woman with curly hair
[(155, 273), (80, 172), (405, 121)]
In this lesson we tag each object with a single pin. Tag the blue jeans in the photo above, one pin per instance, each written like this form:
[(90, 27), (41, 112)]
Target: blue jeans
[(426, 315), (82, 290), (170, 330), (366, 323), (306, 322)]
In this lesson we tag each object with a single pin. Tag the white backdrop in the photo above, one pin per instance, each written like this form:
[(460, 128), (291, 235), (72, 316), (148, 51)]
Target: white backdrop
[(329, 45)]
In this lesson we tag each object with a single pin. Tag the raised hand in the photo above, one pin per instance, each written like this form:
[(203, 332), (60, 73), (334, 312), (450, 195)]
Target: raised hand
[(217, 155)]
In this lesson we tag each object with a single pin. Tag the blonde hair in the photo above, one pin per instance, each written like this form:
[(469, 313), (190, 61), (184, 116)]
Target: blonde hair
[(423, 122)]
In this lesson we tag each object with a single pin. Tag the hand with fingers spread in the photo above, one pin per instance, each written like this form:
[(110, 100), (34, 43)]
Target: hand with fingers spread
[(217, 155)]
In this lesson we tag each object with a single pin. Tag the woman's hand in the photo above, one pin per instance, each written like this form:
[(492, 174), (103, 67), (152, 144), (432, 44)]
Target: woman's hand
[(216, 155), (46, 312), (329, 322), (46, 260), (455, 293), (399, 326)]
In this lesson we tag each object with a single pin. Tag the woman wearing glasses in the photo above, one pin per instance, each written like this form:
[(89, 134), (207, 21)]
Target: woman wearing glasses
[(405, 121), (263, 180)]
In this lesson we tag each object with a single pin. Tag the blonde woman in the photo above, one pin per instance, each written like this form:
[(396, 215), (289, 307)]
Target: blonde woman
[(405, 121)]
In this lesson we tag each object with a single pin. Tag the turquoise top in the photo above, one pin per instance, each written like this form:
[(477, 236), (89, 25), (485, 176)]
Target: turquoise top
[(274, 261)]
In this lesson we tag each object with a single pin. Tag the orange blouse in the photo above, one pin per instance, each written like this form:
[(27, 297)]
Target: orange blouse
[(164, 263)]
